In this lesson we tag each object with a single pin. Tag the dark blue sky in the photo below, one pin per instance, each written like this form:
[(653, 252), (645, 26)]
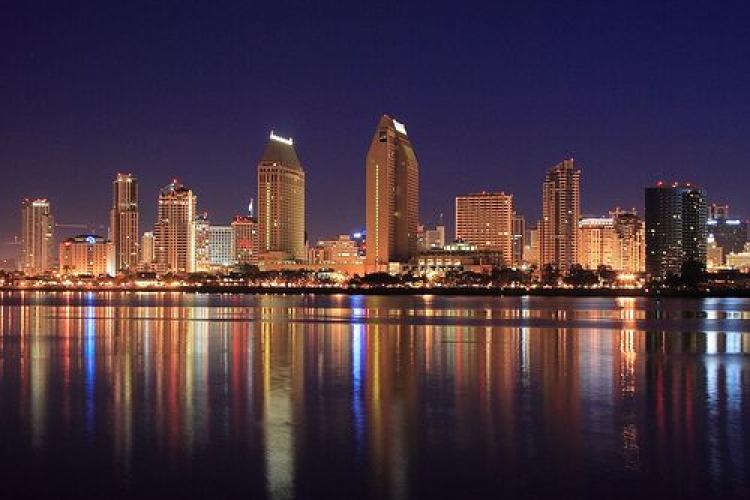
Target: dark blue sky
[(491, 96)]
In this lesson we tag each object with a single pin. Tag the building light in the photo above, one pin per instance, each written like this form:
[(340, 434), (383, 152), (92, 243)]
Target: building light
[(284, 140), (399, 127)]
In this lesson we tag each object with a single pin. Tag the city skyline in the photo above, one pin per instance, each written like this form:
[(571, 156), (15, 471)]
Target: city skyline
[(632, 104)]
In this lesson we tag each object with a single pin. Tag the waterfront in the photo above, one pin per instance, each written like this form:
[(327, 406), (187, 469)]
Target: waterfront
[(343, 396)]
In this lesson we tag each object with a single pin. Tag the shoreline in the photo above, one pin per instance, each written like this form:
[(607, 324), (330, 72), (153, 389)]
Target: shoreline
[(385, 291)]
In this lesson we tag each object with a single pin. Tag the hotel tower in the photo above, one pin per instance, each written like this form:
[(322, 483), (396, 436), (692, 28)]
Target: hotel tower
[(123, 223), (392, 196), (174, 231), (37, 230), (281, 201), (561, 209)]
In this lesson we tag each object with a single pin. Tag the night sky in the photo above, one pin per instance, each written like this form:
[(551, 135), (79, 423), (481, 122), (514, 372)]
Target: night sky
[(491, 96)]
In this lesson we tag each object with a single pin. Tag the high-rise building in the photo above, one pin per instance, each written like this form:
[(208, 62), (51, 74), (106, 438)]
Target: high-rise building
[(281, 201), (485, 220), (392, 196), (147, 248), (246, 239), (221, 246), (174, 231), (519, 238), (202, 243), (87, 254), (37, 233), (561, 209), (676, 219), (616, 242), (123, 221), (531, 249)]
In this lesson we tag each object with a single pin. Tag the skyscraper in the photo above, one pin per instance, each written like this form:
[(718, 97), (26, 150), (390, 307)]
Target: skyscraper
[(174, 231), (37, 232), (519, 238), (281, 201), (221, 246), (123, 221), (202, 242), (392, 196), (486, 221), (675, 228), (561, 209)]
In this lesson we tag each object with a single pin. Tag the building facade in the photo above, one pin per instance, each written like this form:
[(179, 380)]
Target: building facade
[(174, 231), (561, 210), (37, 237), (221, 249), (246, 239), (281, 200), (391, 196), (147, 249), (123, 221), (616, 242), (485, 220), (202, 243), (676, 221), (87, 254), (519, 239)]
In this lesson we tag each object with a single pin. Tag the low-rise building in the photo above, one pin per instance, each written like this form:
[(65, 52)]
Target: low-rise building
[(87, 254)]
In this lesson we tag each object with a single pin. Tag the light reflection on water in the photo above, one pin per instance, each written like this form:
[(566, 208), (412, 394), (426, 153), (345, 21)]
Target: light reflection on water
[(376, 397)]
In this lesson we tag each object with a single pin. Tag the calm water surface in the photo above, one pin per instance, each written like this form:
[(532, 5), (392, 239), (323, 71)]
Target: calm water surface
[(172, 395)]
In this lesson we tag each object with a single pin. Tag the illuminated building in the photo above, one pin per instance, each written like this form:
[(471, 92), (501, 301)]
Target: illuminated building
[(246, 241), (37, 233), (221, 246), (174, 231), (616, 242), (676, 219), (561, 210), (730, 235), (202, 243), (714, 253), (147, 248), (486, 221), (281, 201), (531, 249), (392, 196), (341, 251), (87, 254), (430, 239), (740, 260), (123, 221), (457, 256), (519, 238)]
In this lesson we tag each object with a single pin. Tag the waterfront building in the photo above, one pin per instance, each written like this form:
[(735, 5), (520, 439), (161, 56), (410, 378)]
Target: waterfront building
[(561, 210), (519, 239), (718, 211), (147, 248), (221, 246), (454, 257), (87, 254), (676, 220), (616, 242), (740, 260), (202, 243), (485, 220), (341, 251), (37, 235), (246, 239), (174, 231), (728, 234), (123, 221), (531, 249), (392, 196), (430, 238), (281, 201)]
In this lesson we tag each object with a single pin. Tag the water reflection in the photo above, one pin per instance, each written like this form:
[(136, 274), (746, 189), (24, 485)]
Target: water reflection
[(401, 397)]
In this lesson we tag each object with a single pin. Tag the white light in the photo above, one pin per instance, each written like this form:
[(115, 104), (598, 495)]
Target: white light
[(288, 141), (399, 127)]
